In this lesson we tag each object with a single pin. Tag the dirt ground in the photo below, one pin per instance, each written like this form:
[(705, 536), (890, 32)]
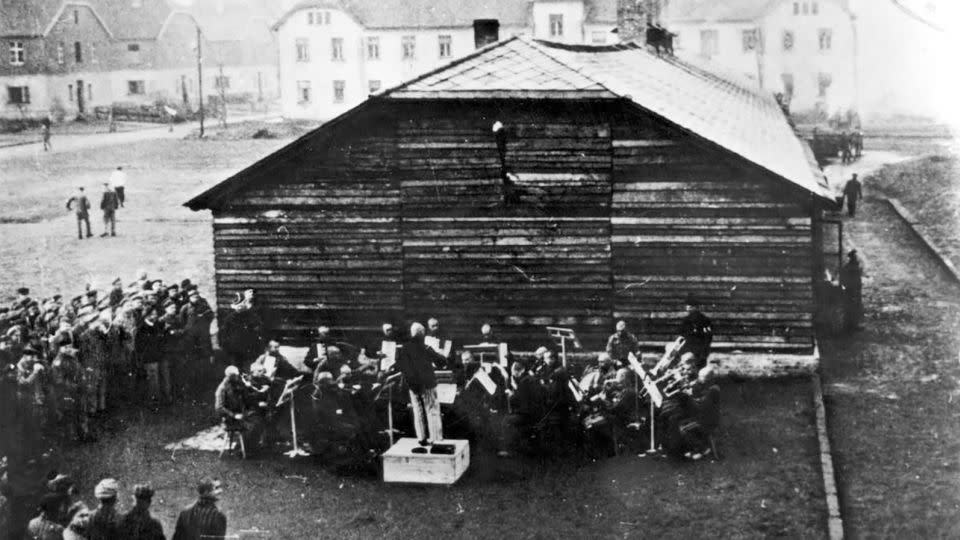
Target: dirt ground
[(892, 389)]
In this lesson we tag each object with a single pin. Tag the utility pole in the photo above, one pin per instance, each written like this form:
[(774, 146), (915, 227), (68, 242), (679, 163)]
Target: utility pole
[(200, 77), (223, 97)]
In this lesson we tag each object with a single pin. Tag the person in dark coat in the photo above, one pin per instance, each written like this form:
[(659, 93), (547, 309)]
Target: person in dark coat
[(318, 357), (196, 317), (697, 331), (853, 192), (202, 519), (621, 344), (151, 360), (109, 204), (138, 524), (525, 408), (241, 334), (105, 520), (415, 361), (80, 205), (851, 281)]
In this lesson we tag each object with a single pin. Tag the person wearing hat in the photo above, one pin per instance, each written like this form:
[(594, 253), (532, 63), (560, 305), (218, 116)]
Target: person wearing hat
[(64, 488), (109, 204), (197, 316), (138, 524), (105, 520), (67, 376), (621, 344), (202, 519), (173, 332), (116, 293), (851, 281), (150, 360), (241, 334), (118, 182), (82, 211), (22, 300), (697, 331), (852, 192), (95, 355), (44, 526)]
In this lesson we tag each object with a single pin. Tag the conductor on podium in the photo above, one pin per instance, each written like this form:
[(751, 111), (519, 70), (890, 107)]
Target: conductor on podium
[(415, 361)]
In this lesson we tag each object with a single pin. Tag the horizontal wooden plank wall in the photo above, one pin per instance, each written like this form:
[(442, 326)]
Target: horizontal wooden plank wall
[(686, 221), (468, 259), (320, 237)]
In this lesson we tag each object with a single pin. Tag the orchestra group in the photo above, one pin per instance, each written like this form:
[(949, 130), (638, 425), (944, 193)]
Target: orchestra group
[(352, 401)]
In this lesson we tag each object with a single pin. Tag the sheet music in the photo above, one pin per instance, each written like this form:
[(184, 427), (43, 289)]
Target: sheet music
[(504, 353), (484, 379), (648, 382), (441, 348), (389, 349), (446, 393)]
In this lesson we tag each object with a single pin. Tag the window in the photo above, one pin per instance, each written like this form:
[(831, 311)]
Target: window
[(303, 92), (133, 53), (796, 8), (70, 92), (326, 17), (814, 8), (221, 82), (749, 40), (93, 53), (338, 91), (76, 16), (136, 88), (409, 45), (18, 95), (709, 44), (446, 46), (374, 87), (133, 47), (824, 80), (598, 38), (787, 79), (17, 54), (89, 91), (788, 40), (825, 37), (373, 48), (77, 52), (556, 25), (806, 8), (309, 17), (60, 54), (336, 49), (303, 50)]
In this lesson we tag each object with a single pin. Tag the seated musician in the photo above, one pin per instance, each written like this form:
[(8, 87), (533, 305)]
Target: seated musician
[(273, 364), (231, 403), (593, 377), (318, 357), (525, 408), (691, 414), (473, 404), (558, 398), (610, 412)]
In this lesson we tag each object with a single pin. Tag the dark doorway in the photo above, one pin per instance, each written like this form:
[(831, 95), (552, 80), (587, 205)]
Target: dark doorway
[(81, 104), (485, 32)]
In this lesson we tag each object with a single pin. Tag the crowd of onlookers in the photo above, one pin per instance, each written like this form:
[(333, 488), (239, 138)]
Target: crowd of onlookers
[(67, 361)]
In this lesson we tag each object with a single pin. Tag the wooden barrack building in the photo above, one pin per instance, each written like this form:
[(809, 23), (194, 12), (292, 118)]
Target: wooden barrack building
[(620, 182)]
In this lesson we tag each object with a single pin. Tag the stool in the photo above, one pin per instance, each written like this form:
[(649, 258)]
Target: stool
[(234, 435)]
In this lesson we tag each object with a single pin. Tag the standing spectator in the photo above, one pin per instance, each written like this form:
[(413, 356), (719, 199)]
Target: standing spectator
[(851, 281), (67, 378), (173, 345), (82, 210), (118, 181), (109, 204), (241, 335), (105, 520), (43, 527), (852, 192), (196, 317), (116, 294), (202, 518), (697, 332), (150, 357), (138, 524), (621, 344), (45, 133), (95, 350)]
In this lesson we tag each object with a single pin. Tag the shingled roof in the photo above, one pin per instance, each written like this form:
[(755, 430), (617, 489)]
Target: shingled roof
[(729, 115)]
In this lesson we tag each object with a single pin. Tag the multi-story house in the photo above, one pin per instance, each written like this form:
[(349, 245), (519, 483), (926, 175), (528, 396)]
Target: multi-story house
[(805, 49), (68, 56), (335, 53)]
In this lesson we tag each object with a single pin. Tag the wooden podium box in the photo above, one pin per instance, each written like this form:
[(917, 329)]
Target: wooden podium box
[(401, 465)]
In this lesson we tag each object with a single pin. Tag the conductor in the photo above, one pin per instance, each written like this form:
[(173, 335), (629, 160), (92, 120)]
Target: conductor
[(415, 361)]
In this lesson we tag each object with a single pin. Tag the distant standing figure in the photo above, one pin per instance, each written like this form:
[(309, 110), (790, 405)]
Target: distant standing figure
[(697, 332), (82, 209), (852, 192), (845, 156), (109, 204), (202, 519), (118, 181), (851, 281), (45, 133)]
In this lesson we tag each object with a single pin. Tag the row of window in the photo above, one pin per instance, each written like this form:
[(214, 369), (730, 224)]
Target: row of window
[(305, 93), (824, 80), (807, 8), (408, 46), (18, 55), (318, 17), (752, 40)]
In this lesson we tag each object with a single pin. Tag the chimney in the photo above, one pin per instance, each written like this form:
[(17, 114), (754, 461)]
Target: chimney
[(633, 16)]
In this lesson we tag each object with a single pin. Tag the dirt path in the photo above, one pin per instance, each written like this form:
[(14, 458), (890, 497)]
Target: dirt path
[(892, 391)]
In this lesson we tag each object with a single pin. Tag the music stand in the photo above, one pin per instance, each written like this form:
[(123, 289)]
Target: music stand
[(287, 395), (563, 334), (656, 398)]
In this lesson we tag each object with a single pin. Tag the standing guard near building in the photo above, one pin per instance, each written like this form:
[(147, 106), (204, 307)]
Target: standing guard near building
[(697, 331)]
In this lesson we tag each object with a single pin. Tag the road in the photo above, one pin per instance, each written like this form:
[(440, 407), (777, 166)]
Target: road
[(890, 389)]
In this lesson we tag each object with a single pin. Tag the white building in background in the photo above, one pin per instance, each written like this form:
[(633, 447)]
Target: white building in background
[(805, 49), (333, 54)]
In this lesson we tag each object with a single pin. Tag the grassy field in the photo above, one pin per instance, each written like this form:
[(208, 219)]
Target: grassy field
[(766, 486)]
